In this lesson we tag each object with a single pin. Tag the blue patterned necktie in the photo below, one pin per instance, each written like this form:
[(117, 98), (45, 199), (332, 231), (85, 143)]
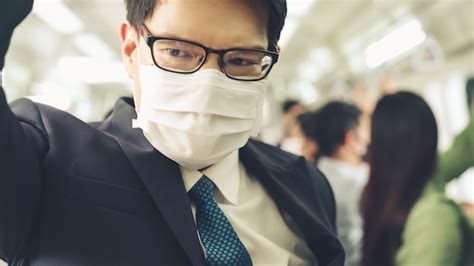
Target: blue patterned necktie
[(223, 246)]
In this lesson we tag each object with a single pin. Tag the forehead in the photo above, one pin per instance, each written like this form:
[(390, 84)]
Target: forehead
[(219, 24)]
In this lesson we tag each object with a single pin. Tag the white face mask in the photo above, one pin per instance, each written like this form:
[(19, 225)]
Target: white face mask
[(197, 119)]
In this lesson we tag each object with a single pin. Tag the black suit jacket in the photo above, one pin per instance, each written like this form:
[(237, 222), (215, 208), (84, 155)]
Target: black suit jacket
[(76, 194)]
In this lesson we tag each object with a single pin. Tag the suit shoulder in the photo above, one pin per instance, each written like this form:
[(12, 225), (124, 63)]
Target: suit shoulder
[(38, 115), (273, 155), (279, 158), (28, 112)]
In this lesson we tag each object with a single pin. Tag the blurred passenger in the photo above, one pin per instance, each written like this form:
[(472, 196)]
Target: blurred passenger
[(292, 136), (457, 159), (291, 110), (309, 144), (405, 223), (343, 136)]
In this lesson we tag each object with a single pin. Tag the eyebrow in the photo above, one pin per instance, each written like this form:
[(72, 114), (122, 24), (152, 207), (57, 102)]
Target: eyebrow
[(173, 36)]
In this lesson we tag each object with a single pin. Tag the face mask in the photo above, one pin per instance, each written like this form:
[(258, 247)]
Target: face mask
[(197, 119)]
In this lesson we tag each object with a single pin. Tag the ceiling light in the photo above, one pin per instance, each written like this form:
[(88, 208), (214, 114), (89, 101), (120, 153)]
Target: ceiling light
[(397, 42)]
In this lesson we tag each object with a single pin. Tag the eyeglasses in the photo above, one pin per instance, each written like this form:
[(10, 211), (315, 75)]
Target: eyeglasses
[(187, 57)]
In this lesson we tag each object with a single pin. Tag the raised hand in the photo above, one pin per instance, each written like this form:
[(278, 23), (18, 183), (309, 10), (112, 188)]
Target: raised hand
[(12, 12)]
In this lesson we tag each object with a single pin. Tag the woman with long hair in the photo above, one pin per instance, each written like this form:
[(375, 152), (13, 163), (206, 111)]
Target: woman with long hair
[(404, 225)]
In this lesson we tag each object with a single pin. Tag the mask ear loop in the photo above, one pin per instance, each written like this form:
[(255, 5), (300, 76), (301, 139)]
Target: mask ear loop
[(140, 35)]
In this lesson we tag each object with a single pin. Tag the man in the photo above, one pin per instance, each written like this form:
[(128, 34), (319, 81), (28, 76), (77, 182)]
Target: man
[(182, 185), (343, 136)]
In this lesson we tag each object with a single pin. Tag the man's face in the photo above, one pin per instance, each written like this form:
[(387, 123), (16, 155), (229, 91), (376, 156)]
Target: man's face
[(217, 24), (361, 138)]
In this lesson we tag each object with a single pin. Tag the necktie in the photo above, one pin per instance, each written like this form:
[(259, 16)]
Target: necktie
[(223, 246)]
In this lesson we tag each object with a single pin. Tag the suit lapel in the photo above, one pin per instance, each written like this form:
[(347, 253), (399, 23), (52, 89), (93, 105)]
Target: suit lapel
[(293, 195), (161, 177)]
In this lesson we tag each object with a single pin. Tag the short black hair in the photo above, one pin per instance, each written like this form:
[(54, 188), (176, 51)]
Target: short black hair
[(140, 10), (288, 104), (308, 123), (334, 120)]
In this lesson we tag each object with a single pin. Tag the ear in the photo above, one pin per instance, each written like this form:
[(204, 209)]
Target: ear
[(129, 38), (309, 149), (350, 137), (313, 147)]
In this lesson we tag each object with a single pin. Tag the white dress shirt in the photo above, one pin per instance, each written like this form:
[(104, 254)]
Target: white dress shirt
[(256, 219)]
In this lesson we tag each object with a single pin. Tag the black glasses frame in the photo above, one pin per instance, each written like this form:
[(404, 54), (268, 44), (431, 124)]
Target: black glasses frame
[(150, 40)]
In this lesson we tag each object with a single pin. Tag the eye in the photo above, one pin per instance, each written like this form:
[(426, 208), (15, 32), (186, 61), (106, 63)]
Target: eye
[(240, 62), (177, 52)]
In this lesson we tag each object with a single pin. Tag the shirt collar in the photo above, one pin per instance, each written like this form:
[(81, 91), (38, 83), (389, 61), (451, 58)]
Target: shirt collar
[(360, 173), (225, 174)]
